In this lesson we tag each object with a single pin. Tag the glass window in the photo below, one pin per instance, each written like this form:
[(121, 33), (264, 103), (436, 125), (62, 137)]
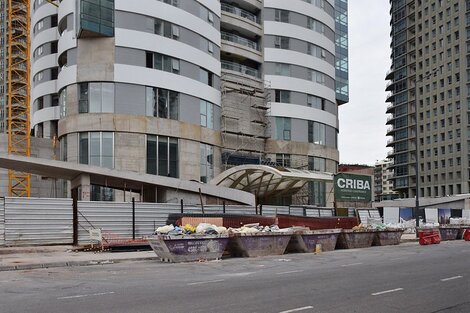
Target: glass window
[(282, 16), (316, 164), (96, 98), (281, 42), (207, 162), (283, 128), (164, 62), (107, 97), (206, 77), (83, 148), (282, 96), (100, 193), (174, 104), (158, 27), (316, 133), (63, 149), (283, 159), (150, 101), (63, 102), (152, 155), (94, 93), (96, 148), (107, 150), (162, 103), (317, 192), (173, 149), (96, 18), (315, 102), (282, 69), (162, 156), (206, 113)]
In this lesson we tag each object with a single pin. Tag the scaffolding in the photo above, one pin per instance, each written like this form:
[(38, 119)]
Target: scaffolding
[(245, 123), (18, 86)]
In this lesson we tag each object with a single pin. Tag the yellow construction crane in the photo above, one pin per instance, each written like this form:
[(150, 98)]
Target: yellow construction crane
[(19, 140), (53, 3)]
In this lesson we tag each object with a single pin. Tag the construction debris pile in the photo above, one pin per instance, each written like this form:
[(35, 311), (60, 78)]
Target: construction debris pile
[(210, 229), (378, 227), (459, 221)]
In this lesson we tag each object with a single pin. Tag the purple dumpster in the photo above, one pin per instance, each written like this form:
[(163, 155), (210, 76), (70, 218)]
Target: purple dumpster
[(188, 248)]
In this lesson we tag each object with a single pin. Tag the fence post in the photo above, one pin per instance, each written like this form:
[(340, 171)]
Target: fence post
[(75, 215), (133, 218), (182, 206), (223, 207), (260, 209)]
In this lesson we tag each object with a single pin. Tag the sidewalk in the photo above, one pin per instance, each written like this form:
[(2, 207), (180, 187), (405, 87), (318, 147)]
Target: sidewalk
[(409, 238), (22, 258)]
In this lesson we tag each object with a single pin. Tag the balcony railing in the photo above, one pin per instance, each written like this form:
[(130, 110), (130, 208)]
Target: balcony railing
[(240, 40), (240, 12), (232, 66)]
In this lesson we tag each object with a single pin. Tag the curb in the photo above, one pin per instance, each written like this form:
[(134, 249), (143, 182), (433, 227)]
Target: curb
[(21, 267), (409, 240)]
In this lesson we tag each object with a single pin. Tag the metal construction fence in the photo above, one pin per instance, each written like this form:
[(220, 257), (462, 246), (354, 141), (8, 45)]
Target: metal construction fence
[(119, 220), (35, 221), (39, 221), (2, 222), (122, 220)]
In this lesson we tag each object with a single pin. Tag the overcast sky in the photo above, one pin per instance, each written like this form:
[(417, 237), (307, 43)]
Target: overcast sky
[(362, 121)]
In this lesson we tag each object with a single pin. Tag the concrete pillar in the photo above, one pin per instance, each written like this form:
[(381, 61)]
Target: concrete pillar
[(83, 183)]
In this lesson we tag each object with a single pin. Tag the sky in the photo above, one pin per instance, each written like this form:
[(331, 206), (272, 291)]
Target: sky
[(362, 130)]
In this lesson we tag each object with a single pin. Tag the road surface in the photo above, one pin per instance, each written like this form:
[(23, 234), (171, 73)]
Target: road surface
[(405, 278)]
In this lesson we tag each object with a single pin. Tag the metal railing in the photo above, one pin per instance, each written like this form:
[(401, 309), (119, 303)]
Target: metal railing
[(240, 12), (237, 67), (240, 40)]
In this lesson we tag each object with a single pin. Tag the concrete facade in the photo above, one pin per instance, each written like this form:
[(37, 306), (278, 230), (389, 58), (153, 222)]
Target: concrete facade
[(429, 97), (41, 186), (190, 88)]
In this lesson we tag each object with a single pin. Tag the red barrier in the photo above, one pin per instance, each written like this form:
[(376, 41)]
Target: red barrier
[(429, 236), (466, 234)]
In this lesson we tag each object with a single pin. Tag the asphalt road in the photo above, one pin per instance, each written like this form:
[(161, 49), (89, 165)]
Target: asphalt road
[(405, 278)]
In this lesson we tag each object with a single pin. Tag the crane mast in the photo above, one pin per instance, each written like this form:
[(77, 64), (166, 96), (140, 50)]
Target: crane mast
[(19, 138)]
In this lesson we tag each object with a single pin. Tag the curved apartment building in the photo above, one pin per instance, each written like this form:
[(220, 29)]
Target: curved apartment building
[(190, 88), (299, 64), (44, 70)]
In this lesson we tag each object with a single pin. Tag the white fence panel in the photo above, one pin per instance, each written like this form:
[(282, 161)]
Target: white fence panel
[(196, 210), (115, 218), (273, 210), (236, 209), (298, 211), (149, 216), (2, 222), (219, 209), (38, 221), (319, 212)]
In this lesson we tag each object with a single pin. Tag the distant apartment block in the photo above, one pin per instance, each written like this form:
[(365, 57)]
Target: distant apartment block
[(429, 97), (383, 183)]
